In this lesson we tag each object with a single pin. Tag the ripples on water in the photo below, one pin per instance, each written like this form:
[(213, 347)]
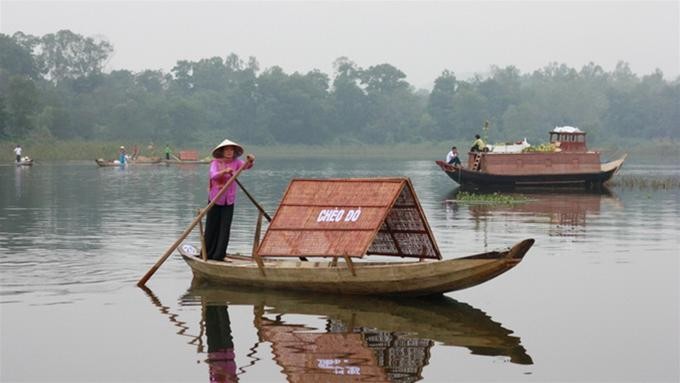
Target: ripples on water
[(75, 235)]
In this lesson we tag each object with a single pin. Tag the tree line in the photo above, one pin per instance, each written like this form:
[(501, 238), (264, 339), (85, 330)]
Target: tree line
[(54, 87)]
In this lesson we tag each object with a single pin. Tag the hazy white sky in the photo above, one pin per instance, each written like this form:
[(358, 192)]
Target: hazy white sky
[(420, 38)]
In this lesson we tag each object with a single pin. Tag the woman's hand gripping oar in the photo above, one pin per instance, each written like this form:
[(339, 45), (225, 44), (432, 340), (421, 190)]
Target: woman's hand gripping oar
[(186, 232)]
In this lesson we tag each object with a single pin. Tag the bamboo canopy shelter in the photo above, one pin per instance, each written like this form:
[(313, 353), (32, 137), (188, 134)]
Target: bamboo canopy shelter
[(345, 220), (350, 218)]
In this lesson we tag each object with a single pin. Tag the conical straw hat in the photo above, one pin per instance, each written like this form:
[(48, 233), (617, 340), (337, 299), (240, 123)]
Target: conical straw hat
[(238, 149)]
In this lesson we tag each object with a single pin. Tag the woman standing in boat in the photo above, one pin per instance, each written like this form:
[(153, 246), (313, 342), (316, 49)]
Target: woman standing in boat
[(218, 222)]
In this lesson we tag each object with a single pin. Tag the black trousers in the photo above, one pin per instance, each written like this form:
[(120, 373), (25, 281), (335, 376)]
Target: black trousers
[(217, 229)]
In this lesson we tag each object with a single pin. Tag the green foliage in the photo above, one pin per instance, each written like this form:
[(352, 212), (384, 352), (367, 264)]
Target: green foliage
[(440, 105), (540, 148), (67, 55), (54, 86), (498, 198), (15, 59)]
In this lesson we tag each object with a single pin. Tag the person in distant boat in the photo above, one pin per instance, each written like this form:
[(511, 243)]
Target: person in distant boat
[(452, 157), (122, 156), (224, 165), (135, 152), (478, 145), (17, 152), (167, 152)]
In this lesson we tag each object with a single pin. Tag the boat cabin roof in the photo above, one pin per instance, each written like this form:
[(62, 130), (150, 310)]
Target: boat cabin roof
[(569, 140), (349, 217)]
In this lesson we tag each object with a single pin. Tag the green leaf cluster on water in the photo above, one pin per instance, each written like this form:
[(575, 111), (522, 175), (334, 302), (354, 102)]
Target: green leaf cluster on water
[(495, 198)]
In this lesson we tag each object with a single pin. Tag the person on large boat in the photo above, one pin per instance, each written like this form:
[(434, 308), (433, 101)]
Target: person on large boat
[(17, 152), (225, 163), (452, 157), (478, 145), (168, 151)]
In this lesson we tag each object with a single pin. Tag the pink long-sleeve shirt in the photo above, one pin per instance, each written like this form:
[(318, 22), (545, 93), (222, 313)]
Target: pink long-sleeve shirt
[(217, 180)]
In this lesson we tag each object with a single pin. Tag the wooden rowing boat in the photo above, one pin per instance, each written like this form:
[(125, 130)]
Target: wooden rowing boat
[(369, 278), (346, 221), (24, 163)]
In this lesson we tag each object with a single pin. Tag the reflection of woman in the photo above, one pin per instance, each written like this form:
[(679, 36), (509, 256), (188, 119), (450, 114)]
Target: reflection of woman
[(220, 344)]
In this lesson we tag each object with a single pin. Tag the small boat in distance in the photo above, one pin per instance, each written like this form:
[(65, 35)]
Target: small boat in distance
[(346, 220), (139, 161), (25, 161), (565, 162), (188, 157)]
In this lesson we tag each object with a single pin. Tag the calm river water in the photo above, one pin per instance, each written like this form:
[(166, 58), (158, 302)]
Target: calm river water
[(595, 299)]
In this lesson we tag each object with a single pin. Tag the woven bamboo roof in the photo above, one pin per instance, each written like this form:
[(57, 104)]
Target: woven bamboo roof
[(349, 217)]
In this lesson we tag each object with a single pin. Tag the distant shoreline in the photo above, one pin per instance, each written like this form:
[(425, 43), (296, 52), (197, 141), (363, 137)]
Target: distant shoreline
[(666, 152)]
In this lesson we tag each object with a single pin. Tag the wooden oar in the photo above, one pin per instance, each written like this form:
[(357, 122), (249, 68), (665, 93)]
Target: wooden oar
[(186, 232), (257, 205)]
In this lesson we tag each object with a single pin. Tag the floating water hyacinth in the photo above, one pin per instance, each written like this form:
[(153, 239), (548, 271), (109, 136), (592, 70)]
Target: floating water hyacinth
[(499, 198)]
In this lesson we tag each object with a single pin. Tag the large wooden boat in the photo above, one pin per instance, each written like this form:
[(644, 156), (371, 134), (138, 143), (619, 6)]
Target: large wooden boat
[(346, 220), (571, 164), (25, 162)]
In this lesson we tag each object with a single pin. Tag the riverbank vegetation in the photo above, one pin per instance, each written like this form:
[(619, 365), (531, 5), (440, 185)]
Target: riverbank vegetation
[(55, 87)]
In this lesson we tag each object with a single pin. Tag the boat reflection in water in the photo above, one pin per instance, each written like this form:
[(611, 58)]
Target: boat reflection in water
[(367, 339), (565, 212)]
